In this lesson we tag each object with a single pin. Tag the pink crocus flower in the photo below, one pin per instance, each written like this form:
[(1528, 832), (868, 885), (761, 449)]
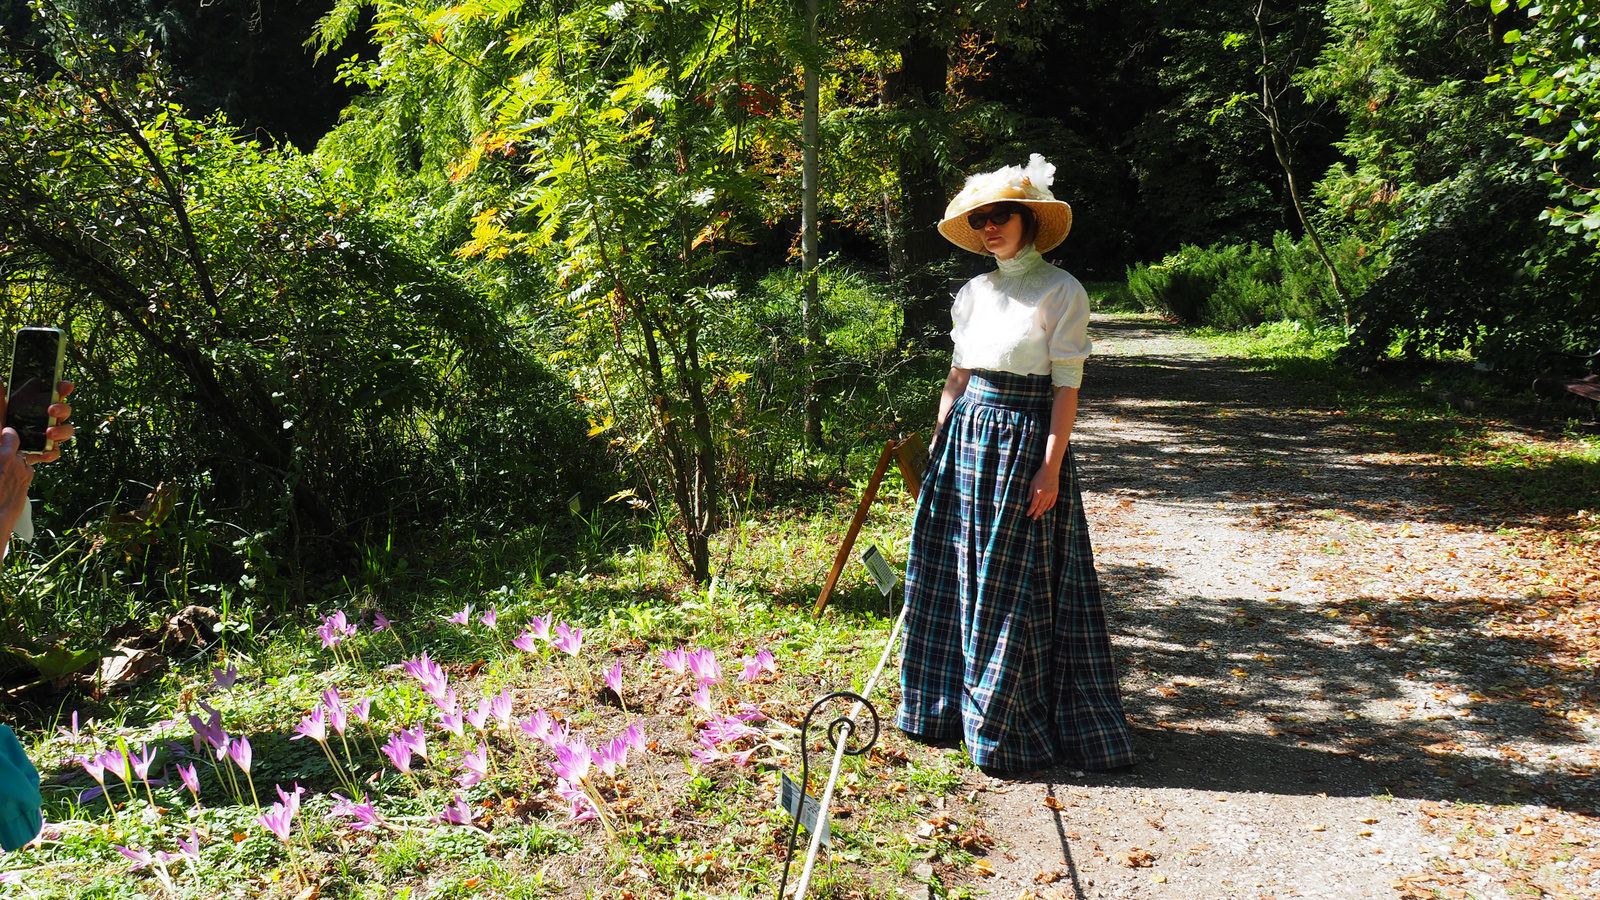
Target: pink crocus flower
[(190, 778), (141, 761), (337, 718), (418, 738), (476, 766), (573, 760), (223, 679), (291, 799), (581, 808), (725, 729), (191, 847), (365, 815), (140, 858), (749, 712), (742, 757), (461, 617), (635, 738), (612, 756), (491, 618), (452, 722), (479, 715), (457, 813), (361, 709), (755, 665), (313, 726), (568, 640), (424, 670), (525, 642), (675, 660), (446, 702), (117, 763), (239, 752), (380, 622), (211, 729), (540, 626), (701, 697), (95, 766), (398, 749), (278, 821), (703, 663), (73, 735), (329, 636), (500, 706), (537, 726), (614, 678)]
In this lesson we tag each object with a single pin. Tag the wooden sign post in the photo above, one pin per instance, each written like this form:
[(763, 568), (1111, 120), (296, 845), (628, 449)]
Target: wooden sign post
[(909, 454)]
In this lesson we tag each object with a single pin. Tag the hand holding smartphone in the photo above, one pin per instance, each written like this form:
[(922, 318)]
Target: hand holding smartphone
[(34, 390)]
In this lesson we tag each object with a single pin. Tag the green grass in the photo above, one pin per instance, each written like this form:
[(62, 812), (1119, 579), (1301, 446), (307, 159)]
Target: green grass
[(685, 828)]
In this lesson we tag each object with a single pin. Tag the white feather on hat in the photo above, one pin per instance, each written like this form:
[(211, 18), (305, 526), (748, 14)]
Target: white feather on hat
[(1029, 185)]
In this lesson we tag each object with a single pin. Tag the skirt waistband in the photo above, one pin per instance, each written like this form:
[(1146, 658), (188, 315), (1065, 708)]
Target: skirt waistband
[(1008, 389)]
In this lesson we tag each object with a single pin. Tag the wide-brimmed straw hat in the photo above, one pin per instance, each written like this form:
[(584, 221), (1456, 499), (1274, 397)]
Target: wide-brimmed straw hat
[(1028, 185)]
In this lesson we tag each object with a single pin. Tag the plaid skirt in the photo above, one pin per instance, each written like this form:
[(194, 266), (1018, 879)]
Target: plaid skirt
[(1006, 641)]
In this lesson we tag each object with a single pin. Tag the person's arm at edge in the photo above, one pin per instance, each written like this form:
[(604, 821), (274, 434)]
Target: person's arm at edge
[(1047, 481), (954, 386)]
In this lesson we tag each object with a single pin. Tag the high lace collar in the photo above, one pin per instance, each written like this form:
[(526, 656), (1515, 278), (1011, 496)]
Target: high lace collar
[(1026, 260)]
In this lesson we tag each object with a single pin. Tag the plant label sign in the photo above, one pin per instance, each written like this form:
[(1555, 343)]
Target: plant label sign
[(789, 800), (879, 567)]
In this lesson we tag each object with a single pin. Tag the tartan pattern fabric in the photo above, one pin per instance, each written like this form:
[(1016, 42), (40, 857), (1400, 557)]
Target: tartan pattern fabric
[(1006, 640)]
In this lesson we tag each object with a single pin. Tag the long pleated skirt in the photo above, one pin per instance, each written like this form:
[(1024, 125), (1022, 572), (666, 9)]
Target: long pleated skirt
[(1006, 642)]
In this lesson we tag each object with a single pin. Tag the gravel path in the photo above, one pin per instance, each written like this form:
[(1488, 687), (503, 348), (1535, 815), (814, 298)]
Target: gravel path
[(1341, 687)]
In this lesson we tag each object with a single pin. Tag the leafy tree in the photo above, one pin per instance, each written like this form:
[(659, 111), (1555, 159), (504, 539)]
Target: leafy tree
[(244, 326)]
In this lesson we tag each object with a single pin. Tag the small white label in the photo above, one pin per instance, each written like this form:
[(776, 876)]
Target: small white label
[(789, 795), (575, 503), (879, 567)]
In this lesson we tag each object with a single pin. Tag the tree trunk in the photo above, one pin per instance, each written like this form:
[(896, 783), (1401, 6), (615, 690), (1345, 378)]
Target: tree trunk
[(917, 89)]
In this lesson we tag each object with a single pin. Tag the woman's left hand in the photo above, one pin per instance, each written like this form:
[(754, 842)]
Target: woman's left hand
[(1043, 491)]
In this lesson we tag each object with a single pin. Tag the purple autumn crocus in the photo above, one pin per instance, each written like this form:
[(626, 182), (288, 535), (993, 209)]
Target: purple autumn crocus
[(612, 756), (223, 679), (446, 702), (361, 709), (749, 712), (460, 617), (338, 720), (568, 640), (614, 679), (537, 725), (239, 752), (211, 729), (491, 619), (291, 799), (675, 660), (365, 815), (139, 858), (540, 626), (457, 813), (703, 663), (313, 726), (635, 738), (278, 821), (190, 778), (417, 737), (479, 715), (581, 808), (726, 729), (573, 759), (398, 749), (755, 665), (116, 762), (142, 761), (500, 706), (701, 697), (453, 723), (476, 766), (96, 768), (526, 642), (380, 622)]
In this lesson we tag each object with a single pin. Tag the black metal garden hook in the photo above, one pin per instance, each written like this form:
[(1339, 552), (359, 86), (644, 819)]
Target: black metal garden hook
[(841, 728)]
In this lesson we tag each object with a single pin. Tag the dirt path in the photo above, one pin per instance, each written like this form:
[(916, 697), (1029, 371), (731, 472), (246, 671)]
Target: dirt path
[(1341, 686)]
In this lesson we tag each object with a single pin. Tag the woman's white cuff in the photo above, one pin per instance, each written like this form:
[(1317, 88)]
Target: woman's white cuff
[(1067, 374)]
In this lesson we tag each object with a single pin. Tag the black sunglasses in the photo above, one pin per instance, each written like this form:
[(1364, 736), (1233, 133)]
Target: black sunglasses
[(977, 220)]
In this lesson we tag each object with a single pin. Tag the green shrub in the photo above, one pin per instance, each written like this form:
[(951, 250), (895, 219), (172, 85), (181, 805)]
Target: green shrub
[(1239, 285)]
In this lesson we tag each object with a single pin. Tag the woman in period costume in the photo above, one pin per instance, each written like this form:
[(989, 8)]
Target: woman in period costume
[(1006, 641)]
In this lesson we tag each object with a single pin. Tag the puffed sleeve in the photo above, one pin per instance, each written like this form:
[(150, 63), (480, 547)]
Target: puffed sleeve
[(1069, 341), (960, 315)]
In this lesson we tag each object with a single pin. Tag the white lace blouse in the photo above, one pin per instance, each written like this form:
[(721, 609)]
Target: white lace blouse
[(1026, 317)]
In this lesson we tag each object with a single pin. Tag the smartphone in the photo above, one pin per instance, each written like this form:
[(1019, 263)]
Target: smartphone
[(36, 359)]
